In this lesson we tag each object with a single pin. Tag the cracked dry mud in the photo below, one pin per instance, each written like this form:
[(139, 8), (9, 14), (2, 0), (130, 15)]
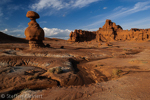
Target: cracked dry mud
[(82, 71)]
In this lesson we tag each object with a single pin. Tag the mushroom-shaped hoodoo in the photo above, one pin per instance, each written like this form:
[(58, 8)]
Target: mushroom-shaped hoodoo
[(34, 33)]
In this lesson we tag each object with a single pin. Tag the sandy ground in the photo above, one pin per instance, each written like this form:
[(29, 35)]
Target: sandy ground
[(69, 71)]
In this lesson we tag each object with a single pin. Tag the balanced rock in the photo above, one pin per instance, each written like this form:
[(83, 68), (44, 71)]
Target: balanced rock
[(34, 33), (32, 14)]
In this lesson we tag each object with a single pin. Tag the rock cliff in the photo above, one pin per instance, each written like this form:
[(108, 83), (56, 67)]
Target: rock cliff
[(81, 36), (110, 32)]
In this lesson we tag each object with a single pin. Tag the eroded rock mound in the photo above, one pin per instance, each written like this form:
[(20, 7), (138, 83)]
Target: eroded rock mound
[(34, 33), (110, 32)]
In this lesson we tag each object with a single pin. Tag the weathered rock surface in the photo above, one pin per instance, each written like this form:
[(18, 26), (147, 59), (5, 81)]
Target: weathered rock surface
[(34, 33), (32, 14), (82, 71), (110, 32), (79, 35)]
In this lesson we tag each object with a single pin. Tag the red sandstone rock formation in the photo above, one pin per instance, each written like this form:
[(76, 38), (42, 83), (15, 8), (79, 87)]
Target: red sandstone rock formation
[(110, 32), (34, 33), (81, 36), (133, 34)]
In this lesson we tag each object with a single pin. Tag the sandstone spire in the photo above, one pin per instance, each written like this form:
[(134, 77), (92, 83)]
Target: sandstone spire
[(34, 33)]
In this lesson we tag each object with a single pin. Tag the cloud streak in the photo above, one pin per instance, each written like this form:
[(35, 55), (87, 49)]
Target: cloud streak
[(14, 32), (105, 8), (123, 11), (140, 6), (61, 4), (143, 23)]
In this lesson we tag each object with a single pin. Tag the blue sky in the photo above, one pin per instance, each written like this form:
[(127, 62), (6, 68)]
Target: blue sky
[(59, 17)]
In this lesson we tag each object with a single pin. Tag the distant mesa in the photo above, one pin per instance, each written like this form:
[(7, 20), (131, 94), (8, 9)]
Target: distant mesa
[(110, 32), (34, 33)]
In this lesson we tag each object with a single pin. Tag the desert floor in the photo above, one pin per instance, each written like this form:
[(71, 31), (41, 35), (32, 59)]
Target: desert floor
[(75, 70)]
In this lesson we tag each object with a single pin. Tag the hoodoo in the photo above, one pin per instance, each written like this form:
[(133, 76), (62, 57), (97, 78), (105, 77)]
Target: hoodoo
[(34, 33)]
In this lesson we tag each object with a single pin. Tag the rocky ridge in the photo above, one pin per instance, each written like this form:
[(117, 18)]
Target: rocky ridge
[(110, 32)]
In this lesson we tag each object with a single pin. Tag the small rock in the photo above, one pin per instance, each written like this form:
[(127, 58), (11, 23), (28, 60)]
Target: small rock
[(47, 45), (62, 47)]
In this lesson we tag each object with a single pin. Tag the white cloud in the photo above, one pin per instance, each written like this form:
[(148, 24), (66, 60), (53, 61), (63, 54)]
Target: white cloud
[(140, 6), (55, 32), (14, 32), (60, 4), (81, 3), (117, 8), (17, 31), (105, 8), (4, 30), (132, 0), (49, 32), (123, 11)]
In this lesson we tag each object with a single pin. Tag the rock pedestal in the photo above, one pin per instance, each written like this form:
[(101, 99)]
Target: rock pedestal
[(34, 33), (36, 44)]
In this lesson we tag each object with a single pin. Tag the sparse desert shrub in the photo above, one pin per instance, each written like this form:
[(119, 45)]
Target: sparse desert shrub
[(30, 78), (36, 75), (56, 70), (51, 70), (26, 89), (145, 62), (116, 72)]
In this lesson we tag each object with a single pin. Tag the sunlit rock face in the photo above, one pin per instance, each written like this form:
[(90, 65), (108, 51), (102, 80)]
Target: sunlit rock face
[(110, 32), (34, 33)]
